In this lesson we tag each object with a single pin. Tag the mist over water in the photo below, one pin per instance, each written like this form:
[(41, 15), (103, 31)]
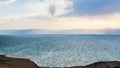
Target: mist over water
[(62, 50)]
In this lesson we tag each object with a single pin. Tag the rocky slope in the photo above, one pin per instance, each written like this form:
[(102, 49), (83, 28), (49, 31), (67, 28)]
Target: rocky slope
[(8, 62), (109, 64)]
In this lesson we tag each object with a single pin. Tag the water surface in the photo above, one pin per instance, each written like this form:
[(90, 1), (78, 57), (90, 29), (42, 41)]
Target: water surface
[(62, 50)]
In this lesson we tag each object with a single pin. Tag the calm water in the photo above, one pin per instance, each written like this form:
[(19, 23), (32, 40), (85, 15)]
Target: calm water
[(62, 50)]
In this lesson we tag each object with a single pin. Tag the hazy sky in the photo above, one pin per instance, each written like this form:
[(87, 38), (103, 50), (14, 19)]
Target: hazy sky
[(59, 14)]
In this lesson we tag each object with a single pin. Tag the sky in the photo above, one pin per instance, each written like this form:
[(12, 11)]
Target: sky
[(59, 14)]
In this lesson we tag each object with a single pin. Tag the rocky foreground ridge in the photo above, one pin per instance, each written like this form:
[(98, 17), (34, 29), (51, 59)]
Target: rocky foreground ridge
[(8, 62)]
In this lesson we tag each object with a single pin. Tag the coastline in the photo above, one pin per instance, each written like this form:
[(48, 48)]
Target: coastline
[(10, 62)]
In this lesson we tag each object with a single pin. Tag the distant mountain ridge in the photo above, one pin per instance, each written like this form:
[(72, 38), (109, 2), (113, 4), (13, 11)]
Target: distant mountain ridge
[(17, 32), (77, 31)]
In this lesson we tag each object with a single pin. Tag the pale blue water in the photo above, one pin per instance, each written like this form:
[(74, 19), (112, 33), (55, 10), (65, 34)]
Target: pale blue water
[(62, 50)]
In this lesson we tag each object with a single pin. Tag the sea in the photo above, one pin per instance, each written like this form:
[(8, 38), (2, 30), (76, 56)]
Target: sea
[(62, 50)]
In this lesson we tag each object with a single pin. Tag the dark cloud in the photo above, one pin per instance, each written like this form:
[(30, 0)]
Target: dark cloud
[(52, 10), (94, 7)]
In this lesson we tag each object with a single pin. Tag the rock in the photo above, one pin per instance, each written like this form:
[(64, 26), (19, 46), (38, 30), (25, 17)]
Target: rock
[(8, 62), (108, 64)]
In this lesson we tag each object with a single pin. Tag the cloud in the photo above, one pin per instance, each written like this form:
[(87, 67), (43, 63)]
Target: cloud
[(50, 8), (63, 23), (7, 1), (63, 6), (94, 7), (37, 17), (37, 6)]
